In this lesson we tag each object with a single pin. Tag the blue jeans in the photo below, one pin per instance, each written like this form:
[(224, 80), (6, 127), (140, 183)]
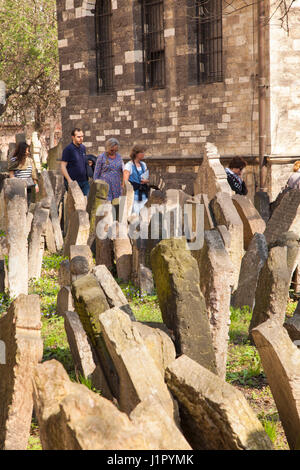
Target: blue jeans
[(85, 187)]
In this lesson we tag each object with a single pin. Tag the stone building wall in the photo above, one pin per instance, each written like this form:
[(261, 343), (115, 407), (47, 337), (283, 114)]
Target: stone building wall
[(176, 121)]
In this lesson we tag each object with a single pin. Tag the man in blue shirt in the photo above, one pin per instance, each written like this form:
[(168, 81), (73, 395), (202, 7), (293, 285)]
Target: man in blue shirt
[(74, 162)]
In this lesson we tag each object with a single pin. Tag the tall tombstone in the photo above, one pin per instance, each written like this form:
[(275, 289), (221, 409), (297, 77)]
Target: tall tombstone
[(272, 289), (37, 242), (182, 304), (252, 263), (16, 234), (123, 252), (281, 362), (252, 221), (78, 230), (126, 204), (211, 177), (226, 214), (74, 200), (20, 331), (97, 196), (104, 245), (216, 280)]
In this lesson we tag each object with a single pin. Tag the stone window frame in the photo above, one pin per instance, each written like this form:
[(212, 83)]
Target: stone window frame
[(153, 47), (104, 63)]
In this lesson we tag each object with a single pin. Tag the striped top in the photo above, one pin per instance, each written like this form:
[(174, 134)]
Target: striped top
[(27, 173)]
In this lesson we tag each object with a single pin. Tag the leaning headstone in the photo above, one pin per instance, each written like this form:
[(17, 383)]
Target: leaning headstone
[(123, 252), (72, 417), (252, 263), (49, 238), (281, 362), (37, 242), (252, 221), (97, 196), (131, 359), (159, 345), (112, 290), (155, 423), (214, 414), (182, 304), (89, 301), (78, 230), (84, 251), (79, 267), (36, 150), (216, 281), (104, 245), (145, 280), (64, 302), (272, 290), (3, 275), (211, 177), (126, 204), (82, 354), (16, 234), (20, 331), (285, 218), (226, 214), (64, 273)]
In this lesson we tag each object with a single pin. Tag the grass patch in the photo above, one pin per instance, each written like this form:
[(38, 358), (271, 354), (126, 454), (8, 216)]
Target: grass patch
[(47, 288), (56, 344), (239, 324), (145, 307)]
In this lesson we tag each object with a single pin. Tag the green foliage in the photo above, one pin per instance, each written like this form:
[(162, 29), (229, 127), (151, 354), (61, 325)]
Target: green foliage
[(56, 344), (88, 383), (47, 289), (2, 233), (239, 324), (5, 302), (52, 261), (269, 423), (244, 365), (29, 58), (145, 307)]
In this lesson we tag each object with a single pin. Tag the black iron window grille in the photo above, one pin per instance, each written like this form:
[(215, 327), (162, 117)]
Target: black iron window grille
[(153, 43), (209, 41), (104, 47)]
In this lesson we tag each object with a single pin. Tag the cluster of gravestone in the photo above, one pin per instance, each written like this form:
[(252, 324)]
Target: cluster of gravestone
[(162, 384)]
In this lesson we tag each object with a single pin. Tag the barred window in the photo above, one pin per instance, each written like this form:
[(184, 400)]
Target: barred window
[(209, 41), (153, 43), (104, 46)]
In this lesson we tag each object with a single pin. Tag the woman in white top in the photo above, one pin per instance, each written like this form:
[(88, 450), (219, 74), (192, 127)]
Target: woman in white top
[(135, 171)]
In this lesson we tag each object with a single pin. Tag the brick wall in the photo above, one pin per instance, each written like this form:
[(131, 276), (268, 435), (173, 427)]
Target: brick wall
[(176, 121)]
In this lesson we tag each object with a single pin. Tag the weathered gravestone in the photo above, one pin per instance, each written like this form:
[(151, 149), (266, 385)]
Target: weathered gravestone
[(292, 326), (226, 214), (46, 190), (123, 252), (252, 221), (64, 273), (54, 157), (182, 304), (64, 301), (16, 234), (216, 280), (20, 332), (37, 242), (252, 263), (78, 230), (272, 289), (97, 196), (112, 290), (132, 359), (104, 245), (214, 414), (211, 177), (71, 417), (281, 362), (84, 358)]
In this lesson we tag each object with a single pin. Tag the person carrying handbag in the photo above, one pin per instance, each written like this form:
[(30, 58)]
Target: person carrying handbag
[(137, 174)]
